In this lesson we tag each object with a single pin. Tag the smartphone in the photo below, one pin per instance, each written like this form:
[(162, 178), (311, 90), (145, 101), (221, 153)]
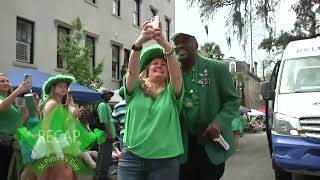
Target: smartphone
[(28, 79), (155, 21), (20, 102)]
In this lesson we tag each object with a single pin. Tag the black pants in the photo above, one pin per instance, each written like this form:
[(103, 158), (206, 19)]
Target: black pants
[(198, 166), (5, 156), (104, 161)]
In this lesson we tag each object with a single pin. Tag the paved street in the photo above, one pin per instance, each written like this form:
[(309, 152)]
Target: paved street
[(252, 162)]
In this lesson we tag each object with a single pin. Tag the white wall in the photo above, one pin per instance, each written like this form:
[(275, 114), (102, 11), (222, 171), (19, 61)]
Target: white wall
[(97, 20)]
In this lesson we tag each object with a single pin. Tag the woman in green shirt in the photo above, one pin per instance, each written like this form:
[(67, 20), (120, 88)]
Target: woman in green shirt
[(153, 93), (10, 120)]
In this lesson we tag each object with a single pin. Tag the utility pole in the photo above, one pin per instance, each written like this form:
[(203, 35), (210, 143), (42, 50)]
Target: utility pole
[(251, 56)]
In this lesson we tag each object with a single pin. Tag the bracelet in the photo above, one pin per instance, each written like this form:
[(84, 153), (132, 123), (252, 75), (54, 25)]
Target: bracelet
[(166, 53), (135, 48)]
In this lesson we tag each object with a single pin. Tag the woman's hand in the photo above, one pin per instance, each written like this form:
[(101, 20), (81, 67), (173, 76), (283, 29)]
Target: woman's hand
[(77, 113), (24, 87), (161, 40), (146, 34)]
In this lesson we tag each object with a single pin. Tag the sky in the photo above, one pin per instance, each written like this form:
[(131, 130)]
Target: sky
[(188, 20)]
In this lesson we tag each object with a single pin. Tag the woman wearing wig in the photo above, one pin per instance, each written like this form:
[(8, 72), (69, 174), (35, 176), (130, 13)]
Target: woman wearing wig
[(11, 119), (153, 93)]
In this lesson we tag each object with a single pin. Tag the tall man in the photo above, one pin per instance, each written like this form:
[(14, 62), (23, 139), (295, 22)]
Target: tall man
[(105, 149), (209, 106)]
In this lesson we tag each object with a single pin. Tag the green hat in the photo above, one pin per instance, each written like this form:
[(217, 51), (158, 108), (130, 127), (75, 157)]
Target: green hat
[(148, 54), (121, 92), (52, 81)]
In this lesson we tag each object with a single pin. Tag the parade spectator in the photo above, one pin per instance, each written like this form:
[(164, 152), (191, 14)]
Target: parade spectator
[(55, 89), (209, 106), (32, 104), (237, 126), (105, 149), (153, 94), (118, 115), (11, 117)]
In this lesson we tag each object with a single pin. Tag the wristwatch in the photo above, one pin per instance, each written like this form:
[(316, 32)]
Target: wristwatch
[(135, 48)]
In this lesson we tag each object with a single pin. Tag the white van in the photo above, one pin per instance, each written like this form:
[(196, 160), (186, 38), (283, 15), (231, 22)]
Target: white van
[(293, 110)]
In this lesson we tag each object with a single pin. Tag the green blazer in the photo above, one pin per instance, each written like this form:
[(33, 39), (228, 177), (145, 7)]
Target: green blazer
[(218, 103)]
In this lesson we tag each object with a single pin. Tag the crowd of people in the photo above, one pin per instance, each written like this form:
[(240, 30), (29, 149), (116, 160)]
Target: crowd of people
[(174, 121)]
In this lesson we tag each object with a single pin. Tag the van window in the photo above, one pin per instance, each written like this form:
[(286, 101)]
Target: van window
[(300, 75)]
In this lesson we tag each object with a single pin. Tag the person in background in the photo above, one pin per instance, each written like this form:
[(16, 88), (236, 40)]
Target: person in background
[(77, 113), (118, 115), (209, 106), (71, 106), (11, 119), (33, 107), (237, 126), (105, 149), (153, 95)]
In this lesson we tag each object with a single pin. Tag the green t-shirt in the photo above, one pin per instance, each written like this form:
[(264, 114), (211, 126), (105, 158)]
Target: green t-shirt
[(10, 120), (104, 113), (152, 124), (191, 100)]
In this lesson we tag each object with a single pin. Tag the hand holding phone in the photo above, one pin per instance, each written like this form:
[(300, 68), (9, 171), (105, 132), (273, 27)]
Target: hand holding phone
[(28, 79), (155, 21)]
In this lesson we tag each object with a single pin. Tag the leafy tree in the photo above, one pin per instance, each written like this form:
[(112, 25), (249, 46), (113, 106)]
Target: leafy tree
[(211, 50), (304, 28), (241, 14), (78, 58)]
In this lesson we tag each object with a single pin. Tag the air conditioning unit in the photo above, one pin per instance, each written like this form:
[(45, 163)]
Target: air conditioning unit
[(23, 52)]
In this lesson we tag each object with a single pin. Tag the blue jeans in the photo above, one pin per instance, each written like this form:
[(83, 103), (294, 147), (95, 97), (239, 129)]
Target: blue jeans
[(133, 167)]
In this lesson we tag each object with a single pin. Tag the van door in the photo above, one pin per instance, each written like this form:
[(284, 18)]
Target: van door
[(270, 103)]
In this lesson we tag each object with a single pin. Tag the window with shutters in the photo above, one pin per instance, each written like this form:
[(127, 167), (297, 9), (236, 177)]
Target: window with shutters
[(24, 41), (116, 7), (167, 29), (90, 42), (61, 64), (115, 62), (136, 13)]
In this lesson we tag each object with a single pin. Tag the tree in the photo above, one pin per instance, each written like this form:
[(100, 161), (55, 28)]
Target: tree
[(211, 50), (304, 28), (78, 58), (241, 13)]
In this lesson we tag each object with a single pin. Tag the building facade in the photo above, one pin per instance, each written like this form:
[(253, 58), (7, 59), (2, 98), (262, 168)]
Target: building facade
[(247, 84), (30, 30)]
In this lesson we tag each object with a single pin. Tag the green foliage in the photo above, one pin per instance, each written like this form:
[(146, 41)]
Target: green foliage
[(77, 56), (241, 13), (211, 50), (304, 27)]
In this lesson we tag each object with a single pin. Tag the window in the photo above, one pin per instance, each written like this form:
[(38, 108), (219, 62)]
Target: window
[(90, 42), (116, 7), (167, 29), (126, 57), (232, 67), (136, 13), (24, 41), (115, 61), (92, 1), (153, 12), (61, 64)]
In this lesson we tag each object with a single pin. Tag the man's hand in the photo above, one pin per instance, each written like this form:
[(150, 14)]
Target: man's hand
[(212, 131)]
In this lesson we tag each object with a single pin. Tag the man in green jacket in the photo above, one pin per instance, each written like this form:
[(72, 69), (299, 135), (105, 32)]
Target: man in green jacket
[(209, 106)]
